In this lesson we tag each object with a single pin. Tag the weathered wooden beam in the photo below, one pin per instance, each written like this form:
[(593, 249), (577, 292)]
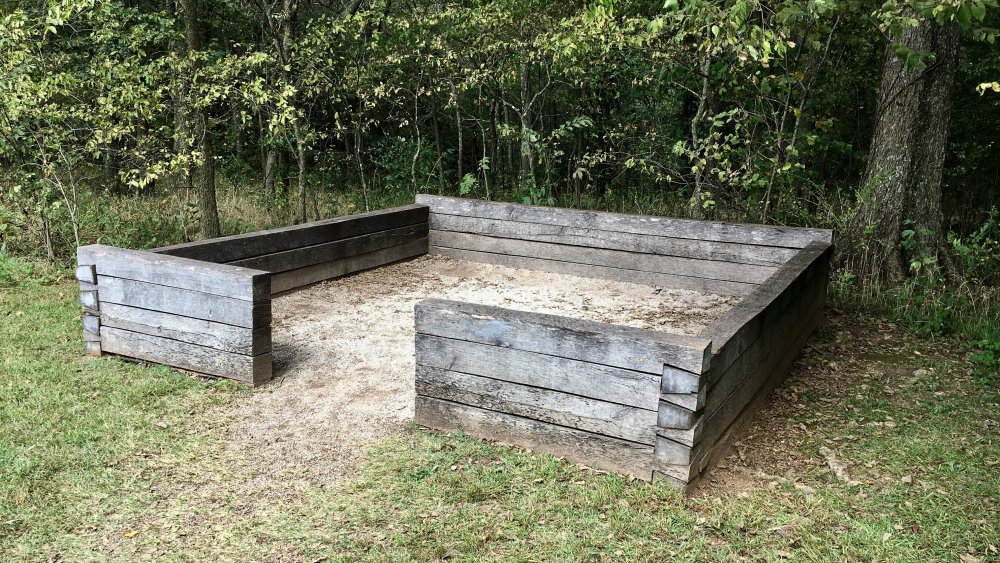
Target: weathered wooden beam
[(588, 237), (240, 247), (225, 337), (335, 268), (183, 302), (596, 381), (600, 272), (86, 273), (601, 343), (248, 369), (334, 250), (742, 324), (181, 273), (537, 403), (661, 264), (594, 450), (791, 237)]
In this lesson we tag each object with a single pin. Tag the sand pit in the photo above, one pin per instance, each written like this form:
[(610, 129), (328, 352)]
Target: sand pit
[(344, 351)]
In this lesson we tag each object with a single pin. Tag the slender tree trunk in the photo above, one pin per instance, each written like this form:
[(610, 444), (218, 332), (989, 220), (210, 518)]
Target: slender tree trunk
[(270, 164), (300, 157), (208, 207), (902, 183), (527, 173)]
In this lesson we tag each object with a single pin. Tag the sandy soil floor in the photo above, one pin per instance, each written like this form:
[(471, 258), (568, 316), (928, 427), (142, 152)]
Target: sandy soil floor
[(344, 355)]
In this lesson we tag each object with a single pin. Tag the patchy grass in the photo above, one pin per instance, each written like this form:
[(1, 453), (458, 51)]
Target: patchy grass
[(881, 447), (73, 430)]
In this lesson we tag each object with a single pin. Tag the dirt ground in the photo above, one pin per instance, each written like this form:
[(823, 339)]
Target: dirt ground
[(344, 356)]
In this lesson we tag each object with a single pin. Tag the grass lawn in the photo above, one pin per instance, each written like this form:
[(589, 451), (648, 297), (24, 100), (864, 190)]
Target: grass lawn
[(881, 447)]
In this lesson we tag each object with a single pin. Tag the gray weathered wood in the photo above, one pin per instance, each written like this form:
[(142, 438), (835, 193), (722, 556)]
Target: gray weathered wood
[(670, 415), (334, 250), (791, 237), (776, 335), (239, 247), (92, 347), (600, 272), (89, 300), (616, 385), (606, 344), (91, 323), (91, 336), (690, 401), (327, 270), (229, 338), (181, 273), (690, 267), (248, 369), (669, 452), (594, 450), (86, 273), (546, 405), (679, 381), (184, 302), (742, 324), (718, 436), (686, 436), (614, 240)]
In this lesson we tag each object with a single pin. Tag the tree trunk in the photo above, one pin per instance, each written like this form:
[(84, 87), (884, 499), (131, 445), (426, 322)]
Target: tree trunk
[(208, 208), (902, 183), (527, 173)]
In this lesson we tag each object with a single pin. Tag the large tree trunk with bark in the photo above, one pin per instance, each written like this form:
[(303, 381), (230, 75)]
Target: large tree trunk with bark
[(902, 183), (208, 208)]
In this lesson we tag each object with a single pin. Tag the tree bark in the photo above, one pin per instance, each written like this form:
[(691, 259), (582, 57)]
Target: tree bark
[(902, 182), (208, 207)]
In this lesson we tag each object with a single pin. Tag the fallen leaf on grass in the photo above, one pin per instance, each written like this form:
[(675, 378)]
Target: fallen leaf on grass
[(131, 533), (908, 479), (966, 558)]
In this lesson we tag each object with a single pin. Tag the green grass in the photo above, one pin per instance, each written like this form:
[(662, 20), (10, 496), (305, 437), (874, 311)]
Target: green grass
[(102, 460)]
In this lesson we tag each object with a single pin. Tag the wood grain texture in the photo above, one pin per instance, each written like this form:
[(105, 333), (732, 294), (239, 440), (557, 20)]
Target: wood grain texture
[(182, 273), (600, 272), (328, 270), (536, 403), (790, 237), (688, 267), (225, 337), (92, 347), (185, 302), (91, 323), (596, 381), (742, 324), (615, 240), (612, 345), (201, 359), (86, 273), (715, 444), (594, 450), (240, 247), (334, 250), (89, 301)]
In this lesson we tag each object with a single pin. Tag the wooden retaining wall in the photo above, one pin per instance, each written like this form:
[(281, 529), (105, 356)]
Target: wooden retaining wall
[(724, 258), (304, 254), (208, 318), (585, 390), (756, 343), (205, 306), (629, 407)]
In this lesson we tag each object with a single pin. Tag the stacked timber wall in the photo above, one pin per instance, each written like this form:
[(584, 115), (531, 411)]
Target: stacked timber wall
[(755, 344), (642, 402), (585, 390), (209, 318), (724, 258), (312, 252), (205, 306)]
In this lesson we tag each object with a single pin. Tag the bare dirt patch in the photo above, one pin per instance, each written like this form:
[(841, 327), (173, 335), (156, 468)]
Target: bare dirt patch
[(344, 356)]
